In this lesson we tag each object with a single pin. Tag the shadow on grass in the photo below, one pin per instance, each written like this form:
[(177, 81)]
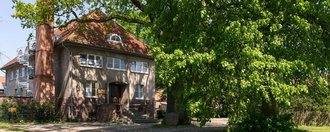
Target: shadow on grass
[(9, 127), (299, 130), (189, 128)]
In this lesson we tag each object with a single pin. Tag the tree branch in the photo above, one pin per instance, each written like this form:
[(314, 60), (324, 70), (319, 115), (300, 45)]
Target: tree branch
[(74, 14), (130, 20), (138, 4)]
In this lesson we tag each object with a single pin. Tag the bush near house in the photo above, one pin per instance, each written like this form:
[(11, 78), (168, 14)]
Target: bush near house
[(13, 111)]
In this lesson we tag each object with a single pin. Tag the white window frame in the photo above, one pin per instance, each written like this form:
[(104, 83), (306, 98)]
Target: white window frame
[(135, 64), (122, 67), (89, 89), (138, 92), (114, 35), (94, 60)]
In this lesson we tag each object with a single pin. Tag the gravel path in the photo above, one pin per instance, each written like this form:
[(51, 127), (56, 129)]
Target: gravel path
[(218, 124)]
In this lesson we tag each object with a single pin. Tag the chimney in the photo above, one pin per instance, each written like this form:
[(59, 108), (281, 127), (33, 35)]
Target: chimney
[(44, 81)]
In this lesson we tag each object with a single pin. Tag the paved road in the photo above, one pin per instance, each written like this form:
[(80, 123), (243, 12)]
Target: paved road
[(215, 125)]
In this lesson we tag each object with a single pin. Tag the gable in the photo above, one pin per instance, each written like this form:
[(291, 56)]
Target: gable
[(95, 34), (8, 64)]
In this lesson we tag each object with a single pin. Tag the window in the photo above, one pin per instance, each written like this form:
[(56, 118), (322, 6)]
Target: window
[(90, 60), (90, 90), (30, 70), (122, 64), (138, 66), (29, 93), (17, 74), (114, 38), (18, 91), (115, 63), (98, 61), (22, 72), (83, 59), (57, 36), (145, 67), (138, 91), (11, 74)]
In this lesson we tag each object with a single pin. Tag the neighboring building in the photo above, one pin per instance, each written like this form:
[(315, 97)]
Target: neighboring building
[(95, 66), (2, 85), (17, 79)]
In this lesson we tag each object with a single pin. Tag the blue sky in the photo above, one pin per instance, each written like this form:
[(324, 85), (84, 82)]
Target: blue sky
[(12, 35)]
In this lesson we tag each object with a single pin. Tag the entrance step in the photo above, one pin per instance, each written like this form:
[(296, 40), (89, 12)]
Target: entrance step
[(138, 116)]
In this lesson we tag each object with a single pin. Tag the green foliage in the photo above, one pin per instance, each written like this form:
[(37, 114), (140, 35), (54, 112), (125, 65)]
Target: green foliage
[(5, 114), (253, 57), (29, 112), (63, 12), (45, 112), (261, 123), (260, 55)]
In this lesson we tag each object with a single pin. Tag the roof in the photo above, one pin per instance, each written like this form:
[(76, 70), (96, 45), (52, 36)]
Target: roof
[(95, 34), (11, 62)]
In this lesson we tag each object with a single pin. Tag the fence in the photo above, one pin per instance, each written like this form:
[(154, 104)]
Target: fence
[(317, 118)]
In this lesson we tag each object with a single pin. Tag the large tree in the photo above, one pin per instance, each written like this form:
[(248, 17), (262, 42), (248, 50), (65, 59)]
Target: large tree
[(247, 57), (251, 56)]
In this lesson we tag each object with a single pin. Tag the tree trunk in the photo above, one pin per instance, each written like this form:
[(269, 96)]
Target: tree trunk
[(170, 101), (171, 106), (269, 108)]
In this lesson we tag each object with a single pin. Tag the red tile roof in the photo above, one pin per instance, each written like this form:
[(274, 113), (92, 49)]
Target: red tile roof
[(13, 61), (94, 34)]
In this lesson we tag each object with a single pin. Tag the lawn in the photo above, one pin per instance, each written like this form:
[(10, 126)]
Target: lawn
[(8, 126), (313, 129)]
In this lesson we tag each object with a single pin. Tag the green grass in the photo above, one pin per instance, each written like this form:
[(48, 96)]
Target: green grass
[(313, 129), (9, 127)]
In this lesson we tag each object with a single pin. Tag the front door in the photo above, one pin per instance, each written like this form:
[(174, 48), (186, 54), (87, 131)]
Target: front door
[(115, 91)]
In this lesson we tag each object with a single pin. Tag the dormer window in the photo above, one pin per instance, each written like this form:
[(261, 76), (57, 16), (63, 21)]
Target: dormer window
[(57, 36), (114, 38)]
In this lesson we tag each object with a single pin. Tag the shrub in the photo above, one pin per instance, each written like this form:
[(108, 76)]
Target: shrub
[(45, 112), (5, 114), (29, 112), (261, 123)]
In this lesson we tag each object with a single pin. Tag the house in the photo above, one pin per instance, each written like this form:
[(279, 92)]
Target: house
[(17, 79), (98, 68)]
